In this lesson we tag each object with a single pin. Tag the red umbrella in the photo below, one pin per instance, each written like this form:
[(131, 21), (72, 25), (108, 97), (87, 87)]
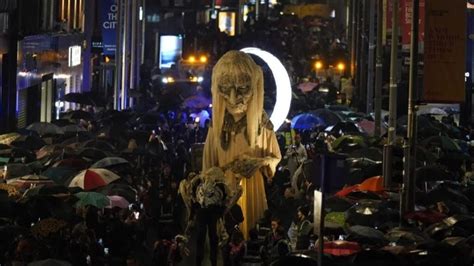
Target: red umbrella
[(426, 217), (93, 178), (341, 248)]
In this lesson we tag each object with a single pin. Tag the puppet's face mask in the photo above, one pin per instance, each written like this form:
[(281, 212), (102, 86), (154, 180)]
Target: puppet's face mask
[(237, 94)]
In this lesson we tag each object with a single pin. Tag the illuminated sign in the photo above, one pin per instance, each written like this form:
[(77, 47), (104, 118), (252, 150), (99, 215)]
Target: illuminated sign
[(74, 58)]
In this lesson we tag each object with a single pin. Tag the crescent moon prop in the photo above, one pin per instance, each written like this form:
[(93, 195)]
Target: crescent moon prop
[(283, 85)]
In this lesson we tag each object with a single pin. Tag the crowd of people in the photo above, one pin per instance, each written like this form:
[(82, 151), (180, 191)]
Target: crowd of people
[(160, 156)]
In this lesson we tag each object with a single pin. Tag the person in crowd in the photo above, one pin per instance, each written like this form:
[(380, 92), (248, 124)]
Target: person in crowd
[(296, 155), (304, 228)]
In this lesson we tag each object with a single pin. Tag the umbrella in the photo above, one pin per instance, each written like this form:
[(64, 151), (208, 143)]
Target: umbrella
[(73, 129), (48, 226), (307, 86), (334, 220), (366, 235), (99, 144), (305, 121), (30, 142), (20, 153), (11, 190), (8, 138), (92, 198), (78, 114), (117, 201), (29, 181), (427, 217), (46, 190), (431, 111), (341, 248), (59, 174), (336, 204), (43, 128), (295, 259), (404, 236), (49, 262), (83, 98), (348, 143), (123, 190), (73, 163), (92, 154), (109, 161), (328, 117), (344, 128), (368, 213), (196, 101), (53, 150), (93, 178), (16, 170), (368, 127), (373, 184), (62, 122), (371, 153), (443, 142)]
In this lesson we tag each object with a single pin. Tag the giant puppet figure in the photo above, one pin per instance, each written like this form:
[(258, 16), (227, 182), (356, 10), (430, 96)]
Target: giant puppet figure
[(241, 139)]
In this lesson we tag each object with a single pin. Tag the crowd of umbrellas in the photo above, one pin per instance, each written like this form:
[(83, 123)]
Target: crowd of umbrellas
[(52, 169), (363, 224)]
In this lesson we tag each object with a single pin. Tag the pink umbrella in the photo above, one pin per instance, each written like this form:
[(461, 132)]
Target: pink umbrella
[(307, 86), (118, 201), (369, 127)]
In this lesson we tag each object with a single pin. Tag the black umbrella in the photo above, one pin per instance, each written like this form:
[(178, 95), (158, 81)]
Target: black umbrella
[(337, 204), (78, 114), (92, 154), (366, 235), (371, 153), (295, 259), (84, 98), (377, 258), (329, 117), (30, 142), (370, 213), (406, 236), (431, 173), (99, 144)]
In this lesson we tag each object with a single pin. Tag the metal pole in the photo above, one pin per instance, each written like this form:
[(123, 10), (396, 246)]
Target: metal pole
[(392, 119), (363, 57), (257, 9), (409, 177), (379, 69), (134, 65), (353, 4), (118, 56), (370, 73)]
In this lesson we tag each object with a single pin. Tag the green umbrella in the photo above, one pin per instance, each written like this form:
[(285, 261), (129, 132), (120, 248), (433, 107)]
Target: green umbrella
[(92, 198), (346, 141), (335, 219)]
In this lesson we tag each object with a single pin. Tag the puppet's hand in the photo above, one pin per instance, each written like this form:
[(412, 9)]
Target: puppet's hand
[(247, 166)]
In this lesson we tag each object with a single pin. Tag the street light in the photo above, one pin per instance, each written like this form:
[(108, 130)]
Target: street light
[(192, 59), (341, 66), (203, 59), (318, 65)]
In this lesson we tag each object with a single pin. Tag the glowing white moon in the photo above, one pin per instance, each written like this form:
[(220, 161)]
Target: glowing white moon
[(283, 85)]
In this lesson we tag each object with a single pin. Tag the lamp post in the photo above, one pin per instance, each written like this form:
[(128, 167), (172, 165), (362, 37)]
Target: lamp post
[(392, 119)]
